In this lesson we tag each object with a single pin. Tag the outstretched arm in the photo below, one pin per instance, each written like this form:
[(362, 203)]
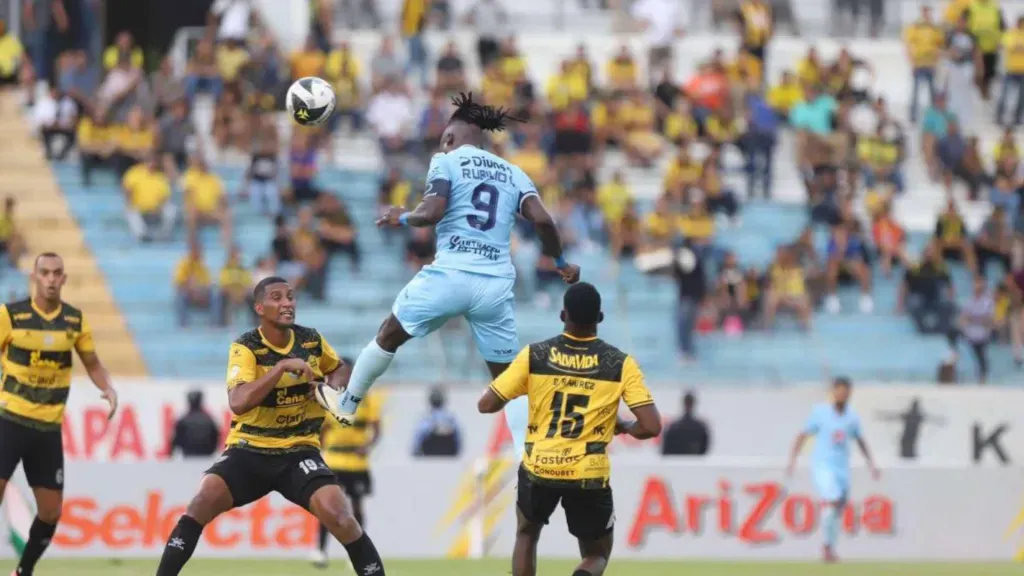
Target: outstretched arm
[(427, 213), (550, 243)]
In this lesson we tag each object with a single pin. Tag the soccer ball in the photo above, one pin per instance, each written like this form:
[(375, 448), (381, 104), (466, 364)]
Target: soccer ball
[(310, 101)]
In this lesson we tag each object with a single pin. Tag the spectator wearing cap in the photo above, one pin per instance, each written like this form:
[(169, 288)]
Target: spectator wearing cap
[(689, 435)]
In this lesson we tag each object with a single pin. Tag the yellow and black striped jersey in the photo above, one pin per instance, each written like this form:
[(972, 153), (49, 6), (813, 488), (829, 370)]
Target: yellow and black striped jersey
[(37, 358), (574, 387), (288, 418), (344, 447)]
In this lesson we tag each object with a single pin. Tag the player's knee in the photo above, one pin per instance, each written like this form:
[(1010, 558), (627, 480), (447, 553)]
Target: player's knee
[(343, 524), (391, 334), (50, 514), (203, 507)]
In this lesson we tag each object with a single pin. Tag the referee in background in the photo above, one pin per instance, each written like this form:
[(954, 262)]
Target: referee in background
[(346, 451)]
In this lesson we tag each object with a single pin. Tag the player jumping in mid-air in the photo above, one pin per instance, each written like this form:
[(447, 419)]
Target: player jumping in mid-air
[(574, 383), (473, 197), (834, 425), (274, 442), (38, 337)]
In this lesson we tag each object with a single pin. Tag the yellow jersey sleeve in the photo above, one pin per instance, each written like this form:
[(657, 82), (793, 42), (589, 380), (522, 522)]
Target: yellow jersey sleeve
[(634, 390), (5, 326), (84, 344), (241, 365), (329, 360), (514, 381)]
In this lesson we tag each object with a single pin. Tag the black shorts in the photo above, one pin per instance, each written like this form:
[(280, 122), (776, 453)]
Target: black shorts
[(251, 475), (41, 452), (589, 512), (356, 484)]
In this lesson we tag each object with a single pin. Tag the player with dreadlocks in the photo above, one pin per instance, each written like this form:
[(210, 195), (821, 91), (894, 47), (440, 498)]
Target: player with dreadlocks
[(472, 197)]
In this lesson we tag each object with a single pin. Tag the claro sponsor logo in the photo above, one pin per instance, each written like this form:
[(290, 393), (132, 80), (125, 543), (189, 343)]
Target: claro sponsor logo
[(755, 513), (87, 523)]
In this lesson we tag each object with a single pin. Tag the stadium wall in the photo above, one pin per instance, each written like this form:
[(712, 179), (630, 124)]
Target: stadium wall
[(907, 425)]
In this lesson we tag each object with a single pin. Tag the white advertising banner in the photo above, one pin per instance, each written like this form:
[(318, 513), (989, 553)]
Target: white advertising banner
[(907, 425), (668, 510)]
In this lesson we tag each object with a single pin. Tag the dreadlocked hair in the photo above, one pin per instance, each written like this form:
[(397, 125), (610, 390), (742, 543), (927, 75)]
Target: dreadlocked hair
[(487, 118)]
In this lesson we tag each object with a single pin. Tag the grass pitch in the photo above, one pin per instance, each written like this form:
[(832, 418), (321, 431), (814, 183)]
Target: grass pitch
[(499, 567)]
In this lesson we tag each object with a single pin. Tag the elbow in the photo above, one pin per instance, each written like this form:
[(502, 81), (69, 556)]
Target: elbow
[(237, 404), (488, 404), (655, 429)]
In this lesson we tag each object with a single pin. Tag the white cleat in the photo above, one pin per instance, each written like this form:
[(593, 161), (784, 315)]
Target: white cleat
[(318, 558), (329, 399)]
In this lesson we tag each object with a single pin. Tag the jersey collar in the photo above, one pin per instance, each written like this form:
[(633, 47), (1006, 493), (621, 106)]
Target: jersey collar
[(282, 351), (578, 339), (47, 316)]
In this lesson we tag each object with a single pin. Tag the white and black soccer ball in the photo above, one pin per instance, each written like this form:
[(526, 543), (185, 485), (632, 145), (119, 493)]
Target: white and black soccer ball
[(310, 101)]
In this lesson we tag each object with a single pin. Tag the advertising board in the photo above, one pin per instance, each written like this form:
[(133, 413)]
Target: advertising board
[(669, 510)]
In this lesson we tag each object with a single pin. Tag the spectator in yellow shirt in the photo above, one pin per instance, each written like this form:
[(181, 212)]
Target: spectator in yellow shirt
[(191, 283), (924, 40), (783, 96), (565, 87), (147, 192), (613, 197), (134, 141), (643, 145), (95, 145), (205, 201), (12, 245), (11, 55), (234, 288), (231, 62), (661, 226), (621, 71), (786, 289), (343, 71), (307, 62), (680, 126), (533, 161), (683, 172), (124, 45), (1013, 58)]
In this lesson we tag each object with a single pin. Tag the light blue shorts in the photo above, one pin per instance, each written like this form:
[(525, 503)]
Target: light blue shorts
[(833, 485), (436, 295), (517, 416)]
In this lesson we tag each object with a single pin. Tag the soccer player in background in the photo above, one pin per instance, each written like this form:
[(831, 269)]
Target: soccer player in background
[(346, 450), (274, 442), (573, 383), (37, 337), (473, 198), (833, 425)]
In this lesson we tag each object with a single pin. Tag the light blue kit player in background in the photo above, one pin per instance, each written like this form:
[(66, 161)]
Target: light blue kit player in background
[(472, 197), (833, 424)]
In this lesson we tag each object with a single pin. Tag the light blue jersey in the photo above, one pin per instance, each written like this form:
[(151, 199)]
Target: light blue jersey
[(472, 275), (484, 195), (830, 460)]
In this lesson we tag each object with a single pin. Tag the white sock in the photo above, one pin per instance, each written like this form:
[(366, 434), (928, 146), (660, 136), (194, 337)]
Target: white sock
[(371, 363)]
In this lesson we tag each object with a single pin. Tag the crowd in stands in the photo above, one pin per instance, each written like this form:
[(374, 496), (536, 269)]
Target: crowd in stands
[(713, 136)]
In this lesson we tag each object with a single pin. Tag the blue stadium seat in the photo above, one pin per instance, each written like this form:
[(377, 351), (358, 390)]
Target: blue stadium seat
[(640, 310)]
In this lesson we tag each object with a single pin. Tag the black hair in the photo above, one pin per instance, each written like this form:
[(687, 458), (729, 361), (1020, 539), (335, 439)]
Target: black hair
[(582, 303), (46, 255), (486, 118), (261, 289), (842, 381)]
